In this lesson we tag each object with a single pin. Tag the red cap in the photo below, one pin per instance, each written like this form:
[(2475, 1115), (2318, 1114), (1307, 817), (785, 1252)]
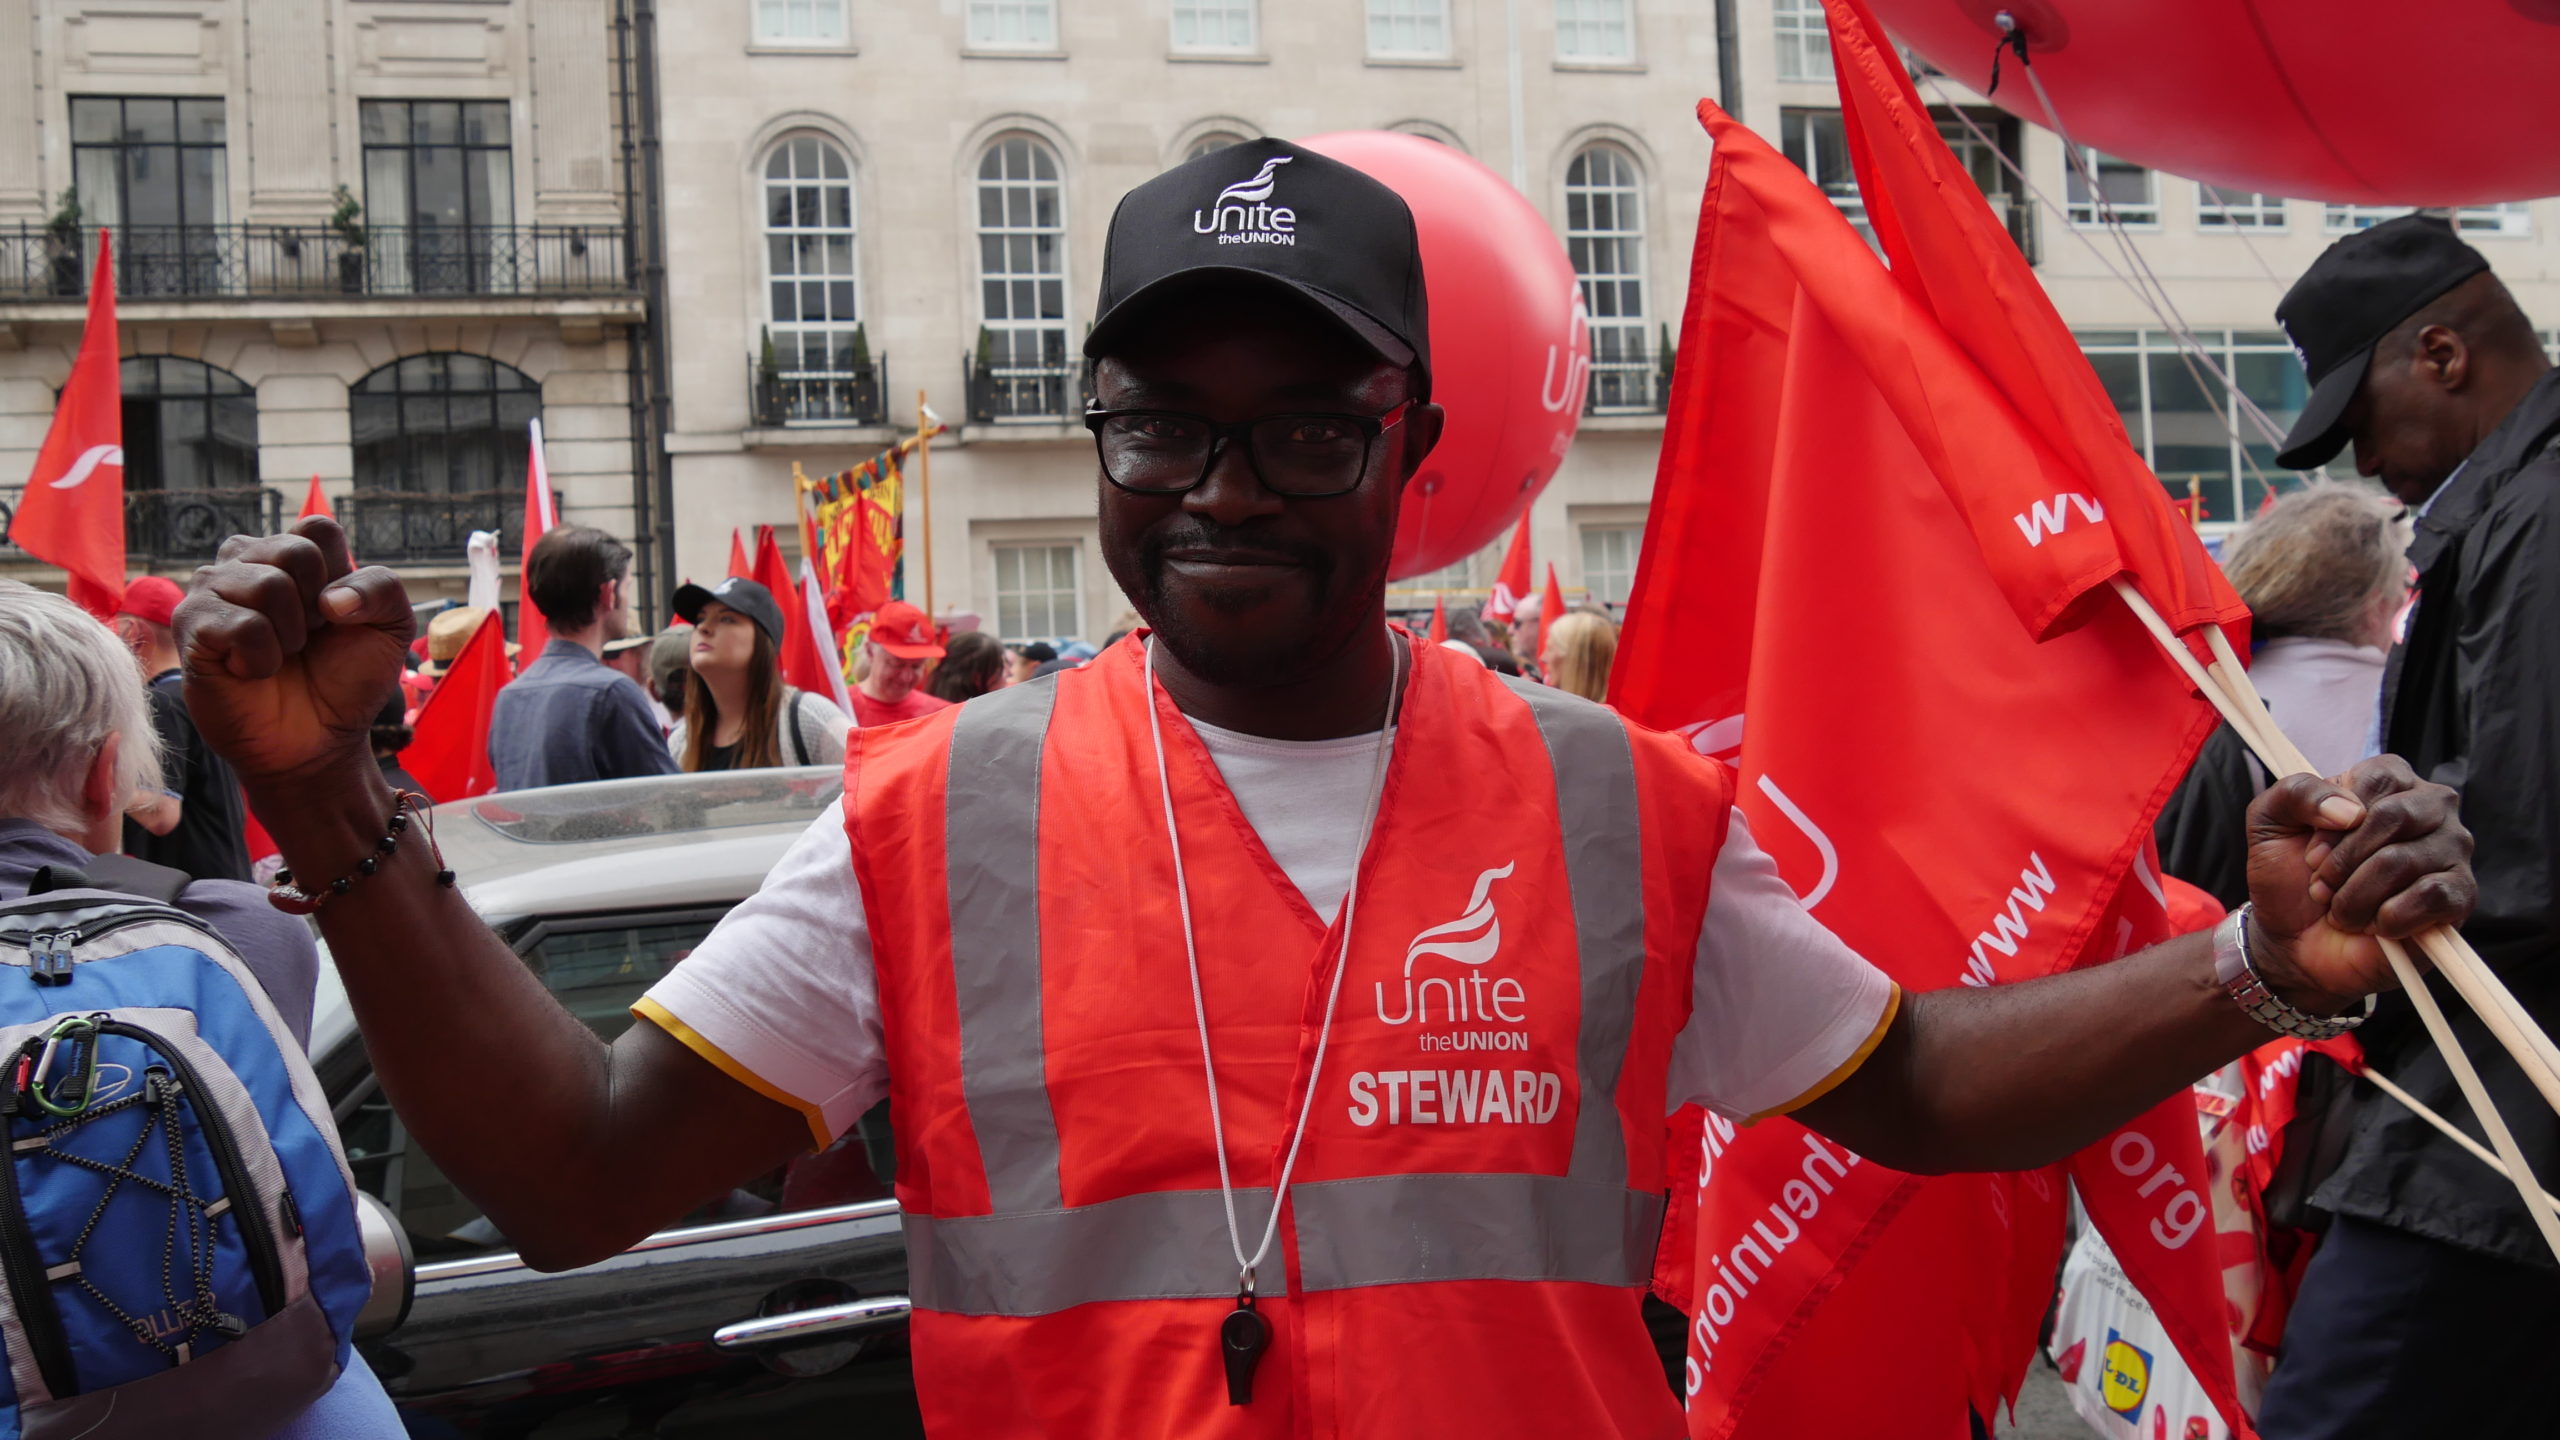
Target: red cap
[(902, 630), (154, 598)]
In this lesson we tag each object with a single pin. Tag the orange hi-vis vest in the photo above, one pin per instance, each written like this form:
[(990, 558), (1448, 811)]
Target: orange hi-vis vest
[(1466, 1237)]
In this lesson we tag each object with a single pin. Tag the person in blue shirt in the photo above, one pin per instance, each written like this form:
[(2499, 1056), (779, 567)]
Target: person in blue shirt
[(570, 717)]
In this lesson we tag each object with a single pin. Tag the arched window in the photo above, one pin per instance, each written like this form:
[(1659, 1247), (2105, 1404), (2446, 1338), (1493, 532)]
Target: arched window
[(1604, 233), (1211, 143), (191, 458), (1022, 370), (815, 366), (441, 442), (812, 296)]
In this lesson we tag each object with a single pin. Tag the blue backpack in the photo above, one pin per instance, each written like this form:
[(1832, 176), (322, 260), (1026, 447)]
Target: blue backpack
[(179, 1246)]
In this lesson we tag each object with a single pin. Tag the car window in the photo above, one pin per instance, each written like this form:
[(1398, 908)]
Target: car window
[(596, 968)]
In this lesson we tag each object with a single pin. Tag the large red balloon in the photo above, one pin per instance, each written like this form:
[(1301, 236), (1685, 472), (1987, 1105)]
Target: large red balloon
[(1510, 351), (2378, 102)]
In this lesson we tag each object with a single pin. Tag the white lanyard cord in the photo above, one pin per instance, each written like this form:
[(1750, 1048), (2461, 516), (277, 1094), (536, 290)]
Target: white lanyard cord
[(1245, 1266)]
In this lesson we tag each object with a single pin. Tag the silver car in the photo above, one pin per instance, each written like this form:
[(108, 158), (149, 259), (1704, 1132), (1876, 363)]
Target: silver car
[(777, 1311)]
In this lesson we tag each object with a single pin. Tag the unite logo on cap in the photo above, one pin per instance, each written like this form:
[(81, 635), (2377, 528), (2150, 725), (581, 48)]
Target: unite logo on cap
[(1243, 215)]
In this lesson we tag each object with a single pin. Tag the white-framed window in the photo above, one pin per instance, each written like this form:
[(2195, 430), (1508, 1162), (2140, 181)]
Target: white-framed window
[(800, 22), (1595, 30), (1013, 24), (2127, 193), (1022, 280), (1211, 143), (1804, 40), (1818, 142), (2512, 218), (1604, 236), (1609, 561), (1213, 27), (1038, 596), (1409, 29), (1472, 572), (2219, 209), (813, 294)]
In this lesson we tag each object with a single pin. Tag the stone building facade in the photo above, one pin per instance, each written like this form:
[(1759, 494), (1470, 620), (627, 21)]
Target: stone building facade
[(366, 240), (897, 197)]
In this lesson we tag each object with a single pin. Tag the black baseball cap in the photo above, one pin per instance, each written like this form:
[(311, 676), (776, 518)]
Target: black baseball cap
[(740, 594), (2358, 291), (1271, 213)]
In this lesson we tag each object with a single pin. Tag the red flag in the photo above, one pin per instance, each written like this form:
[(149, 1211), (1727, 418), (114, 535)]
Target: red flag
[(2099, 511), (315, 501), (802, 664), (738, 563), (2080, 510), (825, 645), (1512, 585), (1439, 621), (72, 513), (532, 631), (1550, 605), (1814, 560), (450, 752)]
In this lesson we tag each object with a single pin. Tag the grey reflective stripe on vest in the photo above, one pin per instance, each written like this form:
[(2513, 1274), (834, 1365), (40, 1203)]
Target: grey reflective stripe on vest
[(1595, 770), (991, 810), (1384, 1230), (1410, 1229), (1163, 1245)]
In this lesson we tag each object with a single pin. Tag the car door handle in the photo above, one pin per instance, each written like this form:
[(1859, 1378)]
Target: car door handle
[(797, 1325)]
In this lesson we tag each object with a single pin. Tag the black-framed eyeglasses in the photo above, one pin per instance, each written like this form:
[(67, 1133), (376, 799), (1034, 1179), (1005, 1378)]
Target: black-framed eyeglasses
[(1304, 456)]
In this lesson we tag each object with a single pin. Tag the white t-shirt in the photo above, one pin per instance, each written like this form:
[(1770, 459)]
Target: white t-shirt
[(783, 990)]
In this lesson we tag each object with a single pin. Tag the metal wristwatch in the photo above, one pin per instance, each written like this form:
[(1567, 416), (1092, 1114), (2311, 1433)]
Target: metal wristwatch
[(2248, 989)]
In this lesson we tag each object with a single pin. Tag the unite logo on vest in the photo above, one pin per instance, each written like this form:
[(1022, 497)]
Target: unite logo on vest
[(1474, 1011)]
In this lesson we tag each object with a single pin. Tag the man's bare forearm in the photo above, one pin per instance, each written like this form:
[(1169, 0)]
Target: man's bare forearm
[(515, 1100), (2015, 1076)]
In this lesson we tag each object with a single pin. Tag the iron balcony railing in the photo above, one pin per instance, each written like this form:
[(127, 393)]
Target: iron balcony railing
[(214, 262), (404, 525), (857, 395), (1626, 380), (174, 526), (1055, 391)]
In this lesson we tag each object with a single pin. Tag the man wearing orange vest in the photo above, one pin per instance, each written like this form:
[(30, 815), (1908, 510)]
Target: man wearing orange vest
[(1278, 1015)]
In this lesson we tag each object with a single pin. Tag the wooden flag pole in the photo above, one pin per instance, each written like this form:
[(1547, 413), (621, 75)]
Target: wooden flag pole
[(2454, 958), (2451, 1131), (924, 494), (2545, 1217)]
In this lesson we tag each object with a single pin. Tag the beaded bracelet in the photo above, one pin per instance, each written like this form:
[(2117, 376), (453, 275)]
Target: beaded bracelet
[(292, 899)]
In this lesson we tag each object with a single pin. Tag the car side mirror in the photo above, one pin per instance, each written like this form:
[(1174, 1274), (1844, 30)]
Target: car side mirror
[(394, 1267)]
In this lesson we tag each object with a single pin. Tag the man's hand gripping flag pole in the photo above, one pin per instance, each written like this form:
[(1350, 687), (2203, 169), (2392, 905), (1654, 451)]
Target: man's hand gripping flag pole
[(2226, 685)]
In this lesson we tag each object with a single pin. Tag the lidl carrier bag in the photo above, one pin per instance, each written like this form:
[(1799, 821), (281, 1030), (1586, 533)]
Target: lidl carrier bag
[(179, 1248)]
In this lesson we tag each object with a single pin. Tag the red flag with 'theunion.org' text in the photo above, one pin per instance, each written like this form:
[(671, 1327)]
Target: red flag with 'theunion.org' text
[(1957, 801)]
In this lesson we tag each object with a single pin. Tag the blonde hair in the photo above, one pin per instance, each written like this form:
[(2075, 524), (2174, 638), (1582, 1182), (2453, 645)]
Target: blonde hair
[(2320, 562), (1585, 645), (66, 684)]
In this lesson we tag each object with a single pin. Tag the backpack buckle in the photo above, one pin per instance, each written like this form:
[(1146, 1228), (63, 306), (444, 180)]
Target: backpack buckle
[(49, 957)]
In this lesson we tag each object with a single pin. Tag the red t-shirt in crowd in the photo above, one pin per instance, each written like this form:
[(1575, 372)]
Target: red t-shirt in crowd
[(867, 711)]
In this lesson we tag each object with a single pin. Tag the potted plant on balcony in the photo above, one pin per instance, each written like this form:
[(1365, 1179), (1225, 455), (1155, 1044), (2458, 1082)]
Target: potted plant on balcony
[(864, 386), (768, 397), (1664, 359), (982, 387), (348, 221), (62, 243)]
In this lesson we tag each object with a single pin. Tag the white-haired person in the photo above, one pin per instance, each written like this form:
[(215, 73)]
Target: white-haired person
[(2325, 571), (80, 745)]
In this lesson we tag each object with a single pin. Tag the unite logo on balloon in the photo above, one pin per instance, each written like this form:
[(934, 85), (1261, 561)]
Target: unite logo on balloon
[(1244, 215)]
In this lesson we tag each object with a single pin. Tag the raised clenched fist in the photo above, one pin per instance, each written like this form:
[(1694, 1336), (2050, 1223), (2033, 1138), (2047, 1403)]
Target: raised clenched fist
[(290, 651)]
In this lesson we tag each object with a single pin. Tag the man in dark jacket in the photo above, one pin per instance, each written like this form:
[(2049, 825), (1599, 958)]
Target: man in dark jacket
[(2433, 1304)]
